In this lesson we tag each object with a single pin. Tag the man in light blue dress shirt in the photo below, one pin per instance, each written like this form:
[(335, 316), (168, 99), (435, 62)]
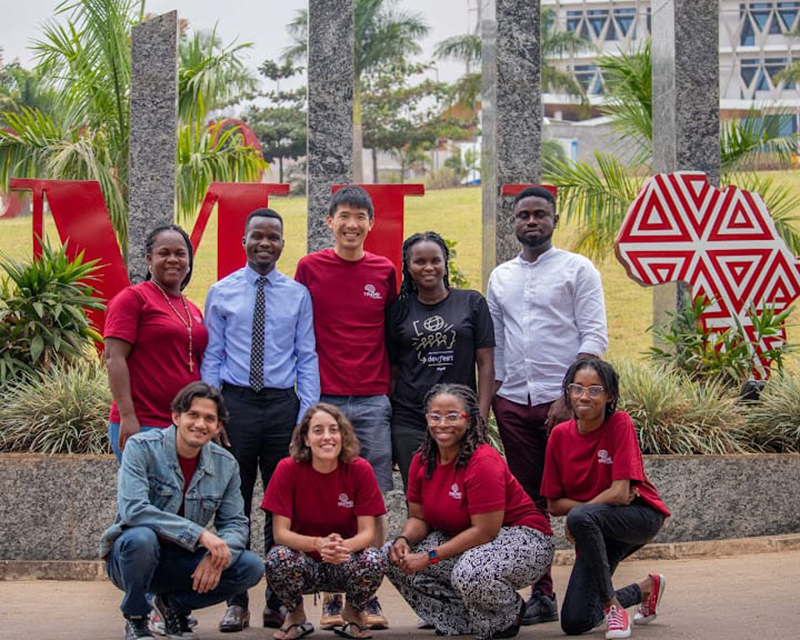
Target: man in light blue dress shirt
[(262, 353)]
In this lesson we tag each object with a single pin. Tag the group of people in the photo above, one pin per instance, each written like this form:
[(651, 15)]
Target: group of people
[(321, 383)]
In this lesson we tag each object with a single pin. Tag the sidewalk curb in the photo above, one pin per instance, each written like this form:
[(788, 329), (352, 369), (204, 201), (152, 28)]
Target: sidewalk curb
[(89, 570)]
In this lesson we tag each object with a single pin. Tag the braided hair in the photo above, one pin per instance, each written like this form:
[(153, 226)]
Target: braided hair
[(474, 436), (408, 287), (151, 240)]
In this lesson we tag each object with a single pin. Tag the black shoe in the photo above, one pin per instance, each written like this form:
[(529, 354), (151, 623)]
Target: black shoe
[(540, 608), (176, 624), (137, 628)]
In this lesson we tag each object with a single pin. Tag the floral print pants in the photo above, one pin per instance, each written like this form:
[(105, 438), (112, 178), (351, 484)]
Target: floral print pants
[(475, 592), (292, 573)]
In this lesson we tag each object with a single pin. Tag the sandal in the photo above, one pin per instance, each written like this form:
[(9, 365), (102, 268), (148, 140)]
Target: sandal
[(345, 631), (303, 629)]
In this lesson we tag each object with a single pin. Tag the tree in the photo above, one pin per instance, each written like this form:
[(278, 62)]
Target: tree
[(86, 64), (383, 34), (467, 48), (599, 197), (281, 127), (402, 113)]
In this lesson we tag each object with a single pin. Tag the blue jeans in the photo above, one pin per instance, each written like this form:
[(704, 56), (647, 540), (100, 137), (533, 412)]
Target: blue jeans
[(371, 418), (113, 437), (139, 564)]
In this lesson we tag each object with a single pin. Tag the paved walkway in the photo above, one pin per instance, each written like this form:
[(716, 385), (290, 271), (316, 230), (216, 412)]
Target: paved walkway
[(726, 598)]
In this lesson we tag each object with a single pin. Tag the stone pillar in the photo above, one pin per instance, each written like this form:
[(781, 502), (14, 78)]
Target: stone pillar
[(488, 143), (153, 133), (685, 103), (519, 110), (331, 25)]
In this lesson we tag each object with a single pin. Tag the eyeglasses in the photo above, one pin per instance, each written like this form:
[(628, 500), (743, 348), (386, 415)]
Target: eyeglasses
[(594, 391), (447, 418)]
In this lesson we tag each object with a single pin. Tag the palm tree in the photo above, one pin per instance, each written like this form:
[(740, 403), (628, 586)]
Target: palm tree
[(598, 197), (85, 135), (383, 33), (467, 48)]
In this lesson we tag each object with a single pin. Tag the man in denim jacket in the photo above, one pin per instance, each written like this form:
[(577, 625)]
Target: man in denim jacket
[(171, 484)]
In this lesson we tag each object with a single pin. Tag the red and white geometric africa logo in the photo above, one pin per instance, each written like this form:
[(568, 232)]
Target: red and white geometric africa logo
[(723, 243)]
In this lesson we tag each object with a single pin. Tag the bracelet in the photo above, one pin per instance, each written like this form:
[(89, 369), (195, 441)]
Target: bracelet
[(408, 542)]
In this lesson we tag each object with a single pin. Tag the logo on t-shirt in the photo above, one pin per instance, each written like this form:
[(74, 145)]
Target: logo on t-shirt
[(603, 457), (455, 492), (344, 501), (371, 292)]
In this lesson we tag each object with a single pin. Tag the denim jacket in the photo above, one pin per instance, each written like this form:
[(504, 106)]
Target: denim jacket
[(150, 492)]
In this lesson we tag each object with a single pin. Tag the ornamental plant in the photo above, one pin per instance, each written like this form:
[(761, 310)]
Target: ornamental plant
[(43, 307), (727, 357)]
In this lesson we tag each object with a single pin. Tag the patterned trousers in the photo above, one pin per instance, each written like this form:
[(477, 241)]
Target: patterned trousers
[(475, 592), (292, 573)]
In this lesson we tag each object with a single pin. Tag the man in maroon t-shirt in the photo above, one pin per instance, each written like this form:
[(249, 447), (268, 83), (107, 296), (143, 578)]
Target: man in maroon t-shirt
[(350, 291)]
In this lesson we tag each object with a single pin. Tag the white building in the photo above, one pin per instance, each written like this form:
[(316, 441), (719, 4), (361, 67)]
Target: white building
[(754, 45)]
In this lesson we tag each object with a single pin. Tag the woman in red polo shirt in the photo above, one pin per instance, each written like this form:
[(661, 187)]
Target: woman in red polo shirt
[(594, 475), (325, 502), (154, 339), (473, 536)]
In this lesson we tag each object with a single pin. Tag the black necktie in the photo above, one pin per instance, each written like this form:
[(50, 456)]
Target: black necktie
[(257, 346)]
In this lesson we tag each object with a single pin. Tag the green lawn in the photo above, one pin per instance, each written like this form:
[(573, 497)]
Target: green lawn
[(455, 213)]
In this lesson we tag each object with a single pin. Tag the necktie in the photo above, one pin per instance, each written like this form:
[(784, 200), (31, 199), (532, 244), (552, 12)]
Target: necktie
[(257, 345)]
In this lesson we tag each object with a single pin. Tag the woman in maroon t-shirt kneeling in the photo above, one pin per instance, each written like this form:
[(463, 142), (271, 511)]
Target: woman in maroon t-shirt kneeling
[(324, 501), (473, 536), (594, 475)]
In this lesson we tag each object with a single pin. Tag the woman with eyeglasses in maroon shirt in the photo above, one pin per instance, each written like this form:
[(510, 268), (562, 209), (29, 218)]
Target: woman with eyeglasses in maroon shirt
[(473, 536), (594, 475)]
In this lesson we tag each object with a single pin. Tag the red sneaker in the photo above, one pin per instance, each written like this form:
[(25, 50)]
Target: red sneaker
[(617, 623), (646, 611)]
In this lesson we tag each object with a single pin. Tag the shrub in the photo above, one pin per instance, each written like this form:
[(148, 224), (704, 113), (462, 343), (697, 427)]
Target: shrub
[(61, 410), (729, 356), (775, 419), (675, 415), (43, 312)]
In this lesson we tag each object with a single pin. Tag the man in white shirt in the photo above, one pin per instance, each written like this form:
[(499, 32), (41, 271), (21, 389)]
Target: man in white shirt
[(548, 310)]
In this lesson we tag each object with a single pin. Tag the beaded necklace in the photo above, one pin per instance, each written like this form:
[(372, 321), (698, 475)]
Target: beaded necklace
[(186, 323)]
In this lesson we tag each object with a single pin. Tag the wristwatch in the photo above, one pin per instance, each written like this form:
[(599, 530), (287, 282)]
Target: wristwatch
[(432, 556)]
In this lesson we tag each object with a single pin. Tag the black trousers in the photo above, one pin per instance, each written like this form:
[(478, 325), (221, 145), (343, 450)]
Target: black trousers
[(260, 428), (604, 536)]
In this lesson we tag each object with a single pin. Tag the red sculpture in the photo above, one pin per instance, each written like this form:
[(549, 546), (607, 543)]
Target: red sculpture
[(234, 201), (723, 243), (81, 216)]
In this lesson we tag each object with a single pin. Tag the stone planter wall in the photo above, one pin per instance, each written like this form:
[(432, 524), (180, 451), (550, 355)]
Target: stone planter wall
[(54, 508)]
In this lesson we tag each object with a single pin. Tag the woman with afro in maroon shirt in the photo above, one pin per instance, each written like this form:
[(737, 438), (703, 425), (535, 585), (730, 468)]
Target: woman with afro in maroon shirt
[(594, 475), (473, 536)]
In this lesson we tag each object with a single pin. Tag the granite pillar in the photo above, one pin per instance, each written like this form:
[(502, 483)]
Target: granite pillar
[(518, 134), (488, 143), (685, 49), (331, 77), (153, 133)]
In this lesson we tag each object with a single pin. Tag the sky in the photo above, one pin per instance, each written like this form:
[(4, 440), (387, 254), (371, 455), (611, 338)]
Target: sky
[(261, 22)]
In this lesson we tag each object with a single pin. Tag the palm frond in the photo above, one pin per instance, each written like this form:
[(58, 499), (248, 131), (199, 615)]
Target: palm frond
[(743, 143), (209, 154), (597, 199), (211, 76)]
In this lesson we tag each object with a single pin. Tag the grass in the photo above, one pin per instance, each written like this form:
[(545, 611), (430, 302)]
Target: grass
[(456, 214)]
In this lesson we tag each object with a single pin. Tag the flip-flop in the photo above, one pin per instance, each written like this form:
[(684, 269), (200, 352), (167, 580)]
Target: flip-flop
[(303, 629), (344, 631)]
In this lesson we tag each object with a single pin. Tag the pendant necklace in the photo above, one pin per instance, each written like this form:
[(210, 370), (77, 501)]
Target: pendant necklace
[(186, 323)]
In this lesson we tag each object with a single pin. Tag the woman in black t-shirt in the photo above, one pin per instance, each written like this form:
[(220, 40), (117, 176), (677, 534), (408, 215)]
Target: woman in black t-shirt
[(435, 334)]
